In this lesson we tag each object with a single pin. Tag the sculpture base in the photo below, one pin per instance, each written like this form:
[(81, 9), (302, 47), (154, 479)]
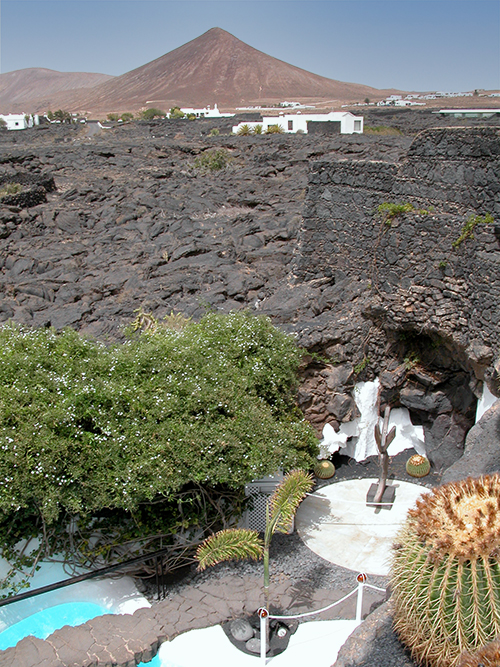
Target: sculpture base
[(387, 500)]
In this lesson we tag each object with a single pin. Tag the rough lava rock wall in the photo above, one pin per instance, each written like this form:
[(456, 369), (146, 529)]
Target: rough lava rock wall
[(402, 290)]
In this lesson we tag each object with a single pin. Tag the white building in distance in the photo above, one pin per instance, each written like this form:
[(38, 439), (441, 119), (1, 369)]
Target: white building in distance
[(19, 121), (346, 122), (206, 112)]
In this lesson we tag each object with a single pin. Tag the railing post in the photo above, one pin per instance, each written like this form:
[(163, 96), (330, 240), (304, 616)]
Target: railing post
[(263, 615), (361, 578)]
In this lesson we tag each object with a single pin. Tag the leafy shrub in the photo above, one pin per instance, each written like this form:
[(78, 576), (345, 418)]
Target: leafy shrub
[(113, 116), (126, 116), (122, 440), (60, 115), (150, 114), (275, 129), (214, 132), (175, 112), (257, 129), (212, 160)]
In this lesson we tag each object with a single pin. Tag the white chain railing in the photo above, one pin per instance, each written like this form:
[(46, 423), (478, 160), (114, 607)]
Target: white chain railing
[(265, 616)]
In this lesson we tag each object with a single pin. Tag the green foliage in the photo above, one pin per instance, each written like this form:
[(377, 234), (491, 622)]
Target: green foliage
[(367, 100), (3, 124), (112, 435), (212, 160), (468, 229), (442, 265), (360, 367), (176, 113), (274, 129), (446, 572), (236, 544), (10, 189), (390, 210), (286, 500), (60, 115), (113, 116), (232, 544), (126, 116), (150, 114), (214, 132), (257, 129), (382, 130), (244, 130)]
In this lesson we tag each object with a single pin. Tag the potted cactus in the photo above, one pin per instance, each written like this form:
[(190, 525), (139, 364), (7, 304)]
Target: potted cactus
[(446, 572)]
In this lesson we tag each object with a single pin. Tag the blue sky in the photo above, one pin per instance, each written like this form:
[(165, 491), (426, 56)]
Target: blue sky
[(449, 45)]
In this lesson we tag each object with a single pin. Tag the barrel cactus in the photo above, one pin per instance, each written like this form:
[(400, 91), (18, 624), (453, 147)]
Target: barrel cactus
[(446, 572), (324, 469), (418, 466), (486, 656)]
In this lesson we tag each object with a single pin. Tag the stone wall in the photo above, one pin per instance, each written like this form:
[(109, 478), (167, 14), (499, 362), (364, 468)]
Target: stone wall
[(416, 279)]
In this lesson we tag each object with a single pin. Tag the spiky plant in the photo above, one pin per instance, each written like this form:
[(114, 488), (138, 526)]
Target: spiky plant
[(324, 469), (486, 656), (236, 543), (418, 466), (231, 544), (446, 572), (244, 130)]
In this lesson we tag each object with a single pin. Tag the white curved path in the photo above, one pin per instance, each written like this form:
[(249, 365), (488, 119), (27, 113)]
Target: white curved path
[(316, 643), (337, 525)]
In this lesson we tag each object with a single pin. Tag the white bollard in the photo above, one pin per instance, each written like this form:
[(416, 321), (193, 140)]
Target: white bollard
[(263, 615), (359, 601)]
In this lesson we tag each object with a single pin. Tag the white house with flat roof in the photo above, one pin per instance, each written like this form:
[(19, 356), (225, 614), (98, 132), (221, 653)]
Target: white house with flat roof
[(206, 112), (18, 121), (347, 123)]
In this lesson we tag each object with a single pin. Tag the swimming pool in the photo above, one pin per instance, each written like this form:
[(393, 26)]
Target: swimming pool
[(44, 622)]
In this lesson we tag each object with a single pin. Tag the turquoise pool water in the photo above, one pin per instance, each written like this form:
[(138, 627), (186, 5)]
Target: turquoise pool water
[(43, 623)]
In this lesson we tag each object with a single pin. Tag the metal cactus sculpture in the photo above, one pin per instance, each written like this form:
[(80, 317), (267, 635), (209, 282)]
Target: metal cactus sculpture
[(383, 438), (446, 572)]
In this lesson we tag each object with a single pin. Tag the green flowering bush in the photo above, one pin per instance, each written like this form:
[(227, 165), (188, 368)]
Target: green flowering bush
[(125, 440)]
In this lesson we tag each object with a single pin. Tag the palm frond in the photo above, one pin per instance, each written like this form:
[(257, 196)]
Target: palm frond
[(287, 498), (231, 544)]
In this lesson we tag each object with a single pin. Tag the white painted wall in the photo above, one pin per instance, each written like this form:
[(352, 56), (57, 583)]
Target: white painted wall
[(297, 122), (17, 121)]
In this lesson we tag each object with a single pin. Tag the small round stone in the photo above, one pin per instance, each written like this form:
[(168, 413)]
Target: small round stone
[(253, 645), (241, 629)]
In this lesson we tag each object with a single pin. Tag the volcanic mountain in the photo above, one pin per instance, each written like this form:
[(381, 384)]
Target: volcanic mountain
[(213, 68), (21, 89)]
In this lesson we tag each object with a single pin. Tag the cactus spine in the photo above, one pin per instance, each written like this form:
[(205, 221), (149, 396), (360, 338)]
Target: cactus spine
[(446, 572), (486, 656)]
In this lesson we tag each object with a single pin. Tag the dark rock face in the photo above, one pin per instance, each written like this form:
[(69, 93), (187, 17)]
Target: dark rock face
[(482, 449), (289, 229)]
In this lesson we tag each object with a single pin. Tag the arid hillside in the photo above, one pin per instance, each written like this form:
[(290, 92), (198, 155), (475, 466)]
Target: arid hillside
[(20, 90)]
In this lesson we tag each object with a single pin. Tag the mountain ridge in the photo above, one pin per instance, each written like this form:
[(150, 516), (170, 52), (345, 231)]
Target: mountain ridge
[(215, 67)]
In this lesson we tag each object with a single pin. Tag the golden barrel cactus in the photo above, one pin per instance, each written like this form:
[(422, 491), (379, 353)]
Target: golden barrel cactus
[(418, 466), (324, 469), (446, 572)]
